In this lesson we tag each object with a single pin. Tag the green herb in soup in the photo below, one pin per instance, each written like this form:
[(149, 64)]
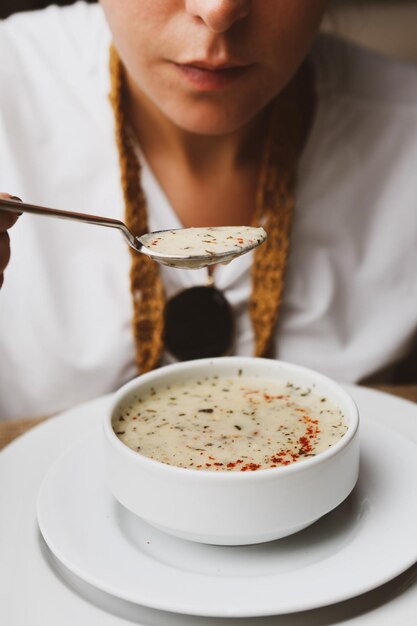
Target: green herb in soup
[(230, 424)]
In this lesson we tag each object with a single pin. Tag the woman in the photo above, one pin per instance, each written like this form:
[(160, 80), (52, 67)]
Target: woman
[(218, 108)]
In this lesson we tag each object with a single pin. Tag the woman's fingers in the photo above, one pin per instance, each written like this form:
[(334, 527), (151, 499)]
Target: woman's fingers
[(4, 253), (6, 221)]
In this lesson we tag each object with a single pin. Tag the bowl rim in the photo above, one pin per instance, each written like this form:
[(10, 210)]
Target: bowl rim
[(221, 475)]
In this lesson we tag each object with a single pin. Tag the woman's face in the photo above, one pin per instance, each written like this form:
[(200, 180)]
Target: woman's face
[(211, 66)]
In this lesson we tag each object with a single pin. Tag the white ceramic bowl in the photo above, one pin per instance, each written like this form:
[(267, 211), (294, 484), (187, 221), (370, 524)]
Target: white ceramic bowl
[(233, 508)]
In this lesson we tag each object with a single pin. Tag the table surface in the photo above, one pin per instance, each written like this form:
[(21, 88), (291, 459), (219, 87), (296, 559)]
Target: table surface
[(11, 429)]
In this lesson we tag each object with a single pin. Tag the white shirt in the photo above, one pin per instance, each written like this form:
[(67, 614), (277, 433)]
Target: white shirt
[(350, 302)]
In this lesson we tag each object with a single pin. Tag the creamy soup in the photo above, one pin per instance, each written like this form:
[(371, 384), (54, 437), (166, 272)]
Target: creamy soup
[(230, 424), (188, 242)]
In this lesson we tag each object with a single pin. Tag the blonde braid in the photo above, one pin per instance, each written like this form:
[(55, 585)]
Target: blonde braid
[(145, 280), (289, 125)]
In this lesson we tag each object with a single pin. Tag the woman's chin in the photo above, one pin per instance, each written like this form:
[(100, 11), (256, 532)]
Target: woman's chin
[(213, 121)]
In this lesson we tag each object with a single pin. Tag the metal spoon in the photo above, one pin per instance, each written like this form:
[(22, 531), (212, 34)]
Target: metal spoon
[(180, 258)]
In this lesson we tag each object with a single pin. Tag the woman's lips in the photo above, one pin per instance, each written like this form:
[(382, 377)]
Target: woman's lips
[(208, 78)]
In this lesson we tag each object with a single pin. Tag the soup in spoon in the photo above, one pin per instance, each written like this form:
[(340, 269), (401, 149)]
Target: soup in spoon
[(197, 247)]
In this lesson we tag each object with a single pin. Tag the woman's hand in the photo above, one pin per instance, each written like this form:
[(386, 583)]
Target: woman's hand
[(6, 221)]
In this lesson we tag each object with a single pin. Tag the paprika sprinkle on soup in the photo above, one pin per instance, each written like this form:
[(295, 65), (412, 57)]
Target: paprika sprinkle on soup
[(239, 423)]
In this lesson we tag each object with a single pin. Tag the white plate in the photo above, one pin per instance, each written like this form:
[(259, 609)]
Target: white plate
[(365, 542), (35, 589)]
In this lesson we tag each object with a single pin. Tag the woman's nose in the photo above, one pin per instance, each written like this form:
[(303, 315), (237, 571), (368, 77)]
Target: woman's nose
[(218, 15)]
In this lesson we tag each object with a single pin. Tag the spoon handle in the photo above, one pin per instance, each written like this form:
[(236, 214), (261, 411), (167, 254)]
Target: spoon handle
[(15, 206)]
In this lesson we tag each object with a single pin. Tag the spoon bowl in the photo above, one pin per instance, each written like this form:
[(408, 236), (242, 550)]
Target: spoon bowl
[(185, 248), (193, 248)]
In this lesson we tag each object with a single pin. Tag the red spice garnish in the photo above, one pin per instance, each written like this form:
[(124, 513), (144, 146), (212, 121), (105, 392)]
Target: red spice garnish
[(268, 397), (305, 444), (282, 457), (251, 467)]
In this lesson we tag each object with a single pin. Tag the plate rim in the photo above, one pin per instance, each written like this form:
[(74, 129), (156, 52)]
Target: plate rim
[(207, 612)]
